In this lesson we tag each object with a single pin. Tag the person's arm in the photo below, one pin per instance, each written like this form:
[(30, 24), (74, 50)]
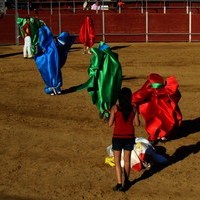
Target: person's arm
[(136, 120), (112, 116), (24, 27)]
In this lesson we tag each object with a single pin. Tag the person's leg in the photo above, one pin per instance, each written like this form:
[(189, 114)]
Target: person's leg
[(29, 47), (88, 50), (118, 171), (127, 168), (24, 49), (127, 157)]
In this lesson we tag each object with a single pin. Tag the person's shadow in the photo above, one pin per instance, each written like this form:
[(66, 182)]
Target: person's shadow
[(10, 54), (75, 88), (186, 128), (119, 47), (71, 89), (4, 196)]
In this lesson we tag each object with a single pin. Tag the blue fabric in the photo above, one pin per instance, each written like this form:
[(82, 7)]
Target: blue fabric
[(103, 46), (63, 43), (51, 56)]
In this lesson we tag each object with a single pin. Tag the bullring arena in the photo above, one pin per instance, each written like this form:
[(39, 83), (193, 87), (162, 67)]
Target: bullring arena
[(53, 147)]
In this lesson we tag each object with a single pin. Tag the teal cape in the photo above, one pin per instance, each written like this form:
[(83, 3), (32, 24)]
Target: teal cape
[(105, 78)]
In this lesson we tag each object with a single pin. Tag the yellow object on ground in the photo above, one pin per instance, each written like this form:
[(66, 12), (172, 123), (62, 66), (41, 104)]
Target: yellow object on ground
[(110, 161)]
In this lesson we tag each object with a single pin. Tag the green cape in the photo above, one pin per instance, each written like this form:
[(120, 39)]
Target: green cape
[(35, 24), (105, 78)]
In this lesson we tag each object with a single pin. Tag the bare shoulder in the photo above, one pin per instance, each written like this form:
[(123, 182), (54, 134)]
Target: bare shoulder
[(114, 108)]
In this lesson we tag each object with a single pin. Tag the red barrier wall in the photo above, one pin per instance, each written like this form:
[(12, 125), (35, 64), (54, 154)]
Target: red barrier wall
[(195, 27), (125, 27), (7, 30), (168, 27)]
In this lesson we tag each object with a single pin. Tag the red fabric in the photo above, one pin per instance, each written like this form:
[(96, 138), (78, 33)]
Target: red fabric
[(27, 29), (156, 78), (121, 3), (87, 32), (159, 107), (123, 129), (137, 167)]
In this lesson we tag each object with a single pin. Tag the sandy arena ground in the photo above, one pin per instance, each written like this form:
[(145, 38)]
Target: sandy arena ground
[(53, 147)]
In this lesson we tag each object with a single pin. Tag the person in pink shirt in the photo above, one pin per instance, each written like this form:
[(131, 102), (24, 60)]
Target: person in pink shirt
[(96, 6)]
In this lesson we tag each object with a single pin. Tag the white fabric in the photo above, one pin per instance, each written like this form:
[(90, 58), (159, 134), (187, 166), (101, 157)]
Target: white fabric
[(142, 146), (95, 7), (27, 47), (143, 140), (85, 5)]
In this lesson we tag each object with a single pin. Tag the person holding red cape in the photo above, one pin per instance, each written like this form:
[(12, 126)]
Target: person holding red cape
[(87, 34), (157, 101)]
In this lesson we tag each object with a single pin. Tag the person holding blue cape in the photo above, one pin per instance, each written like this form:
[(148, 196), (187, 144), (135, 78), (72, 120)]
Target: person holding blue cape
[(51, 56)]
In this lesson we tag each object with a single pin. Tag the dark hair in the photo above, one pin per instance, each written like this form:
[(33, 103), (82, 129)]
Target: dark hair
[(125, 99)]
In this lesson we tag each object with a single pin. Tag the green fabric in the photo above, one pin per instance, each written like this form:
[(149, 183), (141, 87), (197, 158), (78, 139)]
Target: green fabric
[(35, 24), (105, 79), (156, 85)]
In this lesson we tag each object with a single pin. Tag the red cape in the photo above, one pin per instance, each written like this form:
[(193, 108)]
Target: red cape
[(87, 32), (159, 107)]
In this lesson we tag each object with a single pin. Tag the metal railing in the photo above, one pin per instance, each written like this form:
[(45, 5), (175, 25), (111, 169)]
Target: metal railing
[(144, 7), (74, 6)]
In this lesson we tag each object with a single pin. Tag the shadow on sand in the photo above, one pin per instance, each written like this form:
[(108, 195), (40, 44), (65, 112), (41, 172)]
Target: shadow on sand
[(71, 89), (180, 154), (10, 54), (126, 78), (187, 127), (118, 47), (74, 88), (73, 49), (14, 197)]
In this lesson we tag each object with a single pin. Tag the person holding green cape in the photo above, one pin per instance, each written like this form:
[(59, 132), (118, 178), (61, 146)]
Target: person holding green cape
[(28, 29), (105, 79)]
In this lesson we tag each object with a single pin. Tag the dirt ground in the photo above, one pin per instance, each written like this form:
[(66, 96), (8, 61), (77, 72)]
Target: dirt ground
[(53, 147)]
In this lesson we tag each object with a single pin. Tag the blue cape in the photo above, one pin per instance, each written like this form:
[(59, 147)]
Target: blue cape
[(51, 56)]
